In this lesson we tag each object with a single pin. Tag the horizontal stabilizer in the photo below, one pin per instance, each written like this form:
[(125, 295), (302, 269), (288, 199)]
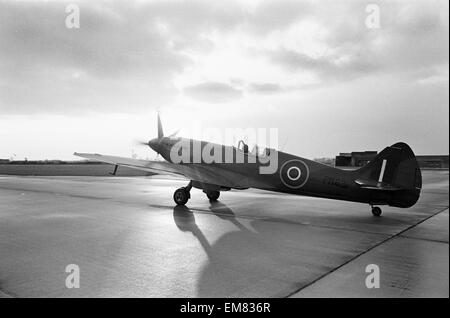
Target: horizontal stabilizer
[(374, 185)]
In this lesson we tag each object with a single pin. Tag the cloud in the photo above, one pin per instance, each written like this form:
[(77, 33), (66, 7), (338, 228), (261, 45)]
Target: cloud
[(264, 88), (117, 60), (348, 50), (213, 92), (269, 16), (109, 41), (434, 76), (128, 55), (325, 68)]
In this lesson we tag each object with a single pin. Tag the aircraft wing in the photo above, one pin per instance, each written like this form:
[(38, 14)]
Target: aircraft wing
[(144, 165), (375, 185), (196, 172)]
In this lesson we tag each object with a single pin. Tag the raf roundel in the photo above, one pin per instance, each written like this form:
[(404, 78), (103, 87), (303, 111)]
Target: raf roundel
[(294, 174)]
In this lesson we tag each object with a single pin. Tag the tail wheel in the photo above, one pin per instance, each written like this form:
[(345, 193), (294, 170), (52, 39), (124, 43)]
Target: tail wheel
[(181, 196), (213, 195), (376, 211)]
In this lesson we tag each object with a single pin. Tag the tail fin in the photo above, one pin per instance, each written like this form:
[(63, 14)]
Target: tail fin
[(396, 166), (160, 129)]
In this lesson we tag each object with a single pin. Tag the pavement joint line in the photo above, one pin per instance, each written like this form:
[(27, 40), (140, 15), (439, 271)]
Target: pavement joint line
[(362, 253), (432, 205), (423, 239)]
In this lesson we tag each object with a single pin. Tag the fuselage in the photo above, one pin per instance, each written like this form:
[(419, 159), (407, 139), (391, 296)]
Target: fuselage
[(291, 174)]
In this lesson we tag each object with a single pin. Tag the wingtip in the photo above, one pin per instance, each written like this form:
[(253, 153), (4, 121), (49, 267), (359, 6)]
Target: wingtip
[(78, 154)]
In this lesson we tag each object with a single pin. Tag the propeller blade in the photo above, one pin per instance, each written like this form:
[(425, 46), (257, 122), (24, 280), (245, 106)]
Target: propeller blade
[(141, 143), (174, 133), (160, 129)]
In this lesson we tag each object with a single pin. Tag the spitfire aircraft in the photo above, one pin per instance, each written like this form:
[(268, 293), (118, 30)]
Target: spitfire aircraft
[(392, 178)]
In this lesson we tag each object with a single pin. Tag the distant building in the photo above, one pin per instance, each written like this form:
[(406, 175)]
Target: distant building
[(354, 159), (359, 159), (433, 161)]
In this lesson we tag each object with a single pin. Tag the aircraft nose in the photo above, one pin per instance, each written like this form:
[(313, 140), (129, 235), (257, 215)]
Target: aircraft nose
[(154, 144)]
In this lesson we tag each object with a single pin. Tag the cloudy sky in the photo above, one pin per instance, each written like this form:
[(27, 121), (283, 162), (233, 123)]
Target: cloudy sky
[(312, 69)]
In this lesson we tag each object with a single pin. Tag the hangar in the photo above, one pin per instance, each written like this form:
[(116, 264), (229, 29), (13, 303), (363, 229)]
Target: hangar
[(361, 158)]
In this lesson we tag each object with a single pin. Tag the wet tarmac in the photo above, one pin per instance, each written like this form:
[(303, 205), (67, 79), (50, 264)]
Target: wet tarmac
[(129, 240)]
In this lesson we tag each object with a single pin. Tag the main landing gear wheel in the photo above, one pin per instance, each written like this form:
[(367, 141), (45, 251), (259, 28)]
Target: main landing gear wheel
[(376, 211), (213, 195), (182, 195)]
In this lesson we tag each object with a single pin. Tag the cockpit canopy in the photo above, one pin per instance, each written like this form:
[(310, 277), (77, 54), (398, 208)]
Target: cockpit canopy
[(256, 151)]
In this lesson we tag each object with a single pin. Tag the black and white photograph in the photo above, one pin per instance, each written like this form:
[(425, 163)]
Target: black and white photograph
[(226, 154)]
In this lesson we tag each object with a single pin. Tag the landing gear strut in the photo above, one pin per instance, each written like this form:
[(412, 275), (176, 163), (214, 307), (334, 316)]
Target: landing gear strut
[(182, 195), (376, 211)]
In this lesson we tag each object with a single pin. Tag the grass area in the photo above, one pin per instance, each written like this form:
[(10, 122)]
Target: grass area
[(85, 169)]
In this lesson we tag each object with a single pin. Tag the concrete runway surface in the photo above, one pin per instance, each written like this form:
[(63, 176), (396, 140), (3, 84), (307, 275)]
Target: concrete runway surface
[(129, 240)]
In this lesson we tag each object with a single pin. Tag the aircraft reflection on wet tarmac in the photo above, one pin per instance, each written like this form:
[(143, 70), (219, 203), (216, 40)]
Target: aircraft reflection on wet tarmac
[(185, 220)]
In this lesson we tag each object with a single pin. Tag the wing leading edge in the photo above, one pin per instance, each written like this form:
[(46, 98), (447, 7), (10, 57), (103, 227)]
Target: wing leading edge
[(203, 174), (144, 165)]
